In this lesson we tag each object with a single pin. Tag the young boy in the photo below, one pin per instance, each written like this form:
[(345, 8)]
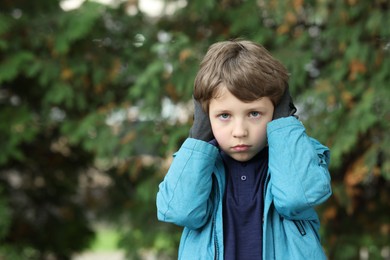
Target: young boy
[(246, 190)]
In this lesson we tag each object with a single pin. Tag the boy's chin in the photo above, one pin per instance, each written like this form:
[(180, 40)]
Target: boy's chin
[(242, 157)]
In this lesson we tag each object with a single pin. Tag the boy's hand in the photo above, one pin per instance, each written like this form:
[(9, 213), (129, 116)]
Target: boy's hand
[(201, 128), (285, 107)]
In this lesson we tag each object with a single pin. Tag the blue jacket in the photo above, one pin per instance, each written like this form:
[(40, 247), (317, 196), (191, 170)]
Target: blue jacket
[(298, 179)]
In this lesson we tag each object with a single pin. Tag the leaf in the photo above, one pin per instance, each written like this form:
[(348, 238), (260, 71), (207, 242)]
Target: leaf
[(5, 215), (75, 25), (13, 65), (17, 126), (5, 23), (356, 67), (60, 93), (147, 89)]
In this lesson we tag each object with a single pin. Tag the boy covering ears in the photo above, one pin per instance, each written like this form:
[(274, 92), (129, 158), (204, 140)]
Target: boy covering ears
[(245, 183)]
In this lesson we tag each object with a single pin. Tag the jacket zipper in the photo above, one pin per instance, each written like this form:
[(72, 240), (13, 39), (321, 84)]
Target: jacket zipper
[(216, 248), (266, 185), (265, 191)]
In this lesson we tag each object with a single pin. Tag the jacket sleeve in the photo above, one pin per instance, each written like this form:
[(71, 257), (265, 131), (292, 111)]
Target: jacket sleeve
[(184, 194), (298, 166)]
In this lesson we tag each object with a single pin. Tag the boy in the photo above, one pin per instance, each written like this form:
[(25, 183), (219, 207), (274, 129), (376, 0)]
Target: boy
[(246, 190)]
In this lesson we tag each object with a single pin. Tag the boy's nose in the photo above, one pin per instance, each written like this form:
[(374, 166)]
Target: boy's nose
[(240, 130)]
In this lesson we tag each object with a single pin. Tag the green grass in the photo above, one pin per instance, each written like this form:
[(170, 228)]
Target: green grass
[(106, 240)]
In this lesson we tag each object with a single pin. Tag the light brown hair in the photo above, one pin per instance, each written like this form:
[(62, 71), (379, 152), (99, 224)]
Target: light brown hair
[(246, 68)]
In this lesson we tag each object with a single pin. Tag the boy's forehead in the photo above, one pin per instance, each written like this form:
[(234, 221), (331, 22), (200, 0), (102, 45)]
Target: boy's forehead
[(224, 99)]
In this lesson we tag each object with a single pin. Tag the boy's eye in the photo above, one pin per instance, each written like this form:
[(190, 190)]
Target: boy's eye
[(224, 116), (254, 114)]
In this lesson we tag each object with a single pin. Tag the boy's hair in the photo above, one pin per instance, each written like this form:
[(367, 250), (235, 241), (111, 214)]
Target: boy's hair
[(247, 69)]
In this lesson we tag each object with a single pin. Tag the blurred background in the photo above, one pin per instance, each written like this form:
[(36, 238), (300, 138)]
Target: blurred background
[(95, 96)]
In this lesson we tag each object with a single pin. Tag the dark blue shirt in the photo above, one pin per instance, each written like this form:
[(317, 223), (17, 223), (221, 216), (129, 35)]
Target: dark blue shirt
[(243, 206)]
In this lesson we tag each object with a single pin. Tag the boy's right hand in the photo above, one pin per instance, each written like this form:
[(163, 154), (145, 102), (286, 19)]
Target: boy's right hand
[(201, 128)]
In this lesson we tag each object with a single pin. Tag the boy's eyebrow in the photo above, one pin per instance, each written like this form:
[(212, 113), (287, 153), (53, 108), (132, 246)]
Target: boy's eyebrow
[(222, 111), (257, 107), (253, 108)]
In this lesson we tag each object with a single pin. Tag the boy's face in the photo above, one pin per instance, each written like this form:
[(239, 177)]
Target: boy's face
[(240, 128)]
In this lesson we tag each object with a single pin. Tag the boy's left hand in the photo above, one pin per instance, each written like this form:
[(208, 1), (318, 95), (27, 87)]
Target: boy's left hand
[(285, 107)]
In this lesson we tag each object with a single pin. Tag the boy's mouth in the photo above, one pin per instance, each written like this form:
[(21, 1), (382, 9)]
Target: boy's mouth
[(241, 148)]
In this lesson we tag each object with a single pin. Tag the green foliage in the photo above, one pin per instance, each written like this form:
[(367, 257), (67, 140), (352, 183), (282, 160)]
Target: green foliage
[(5, 215), (75, 26), (83, 137), (18, 129), (11, 66)]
